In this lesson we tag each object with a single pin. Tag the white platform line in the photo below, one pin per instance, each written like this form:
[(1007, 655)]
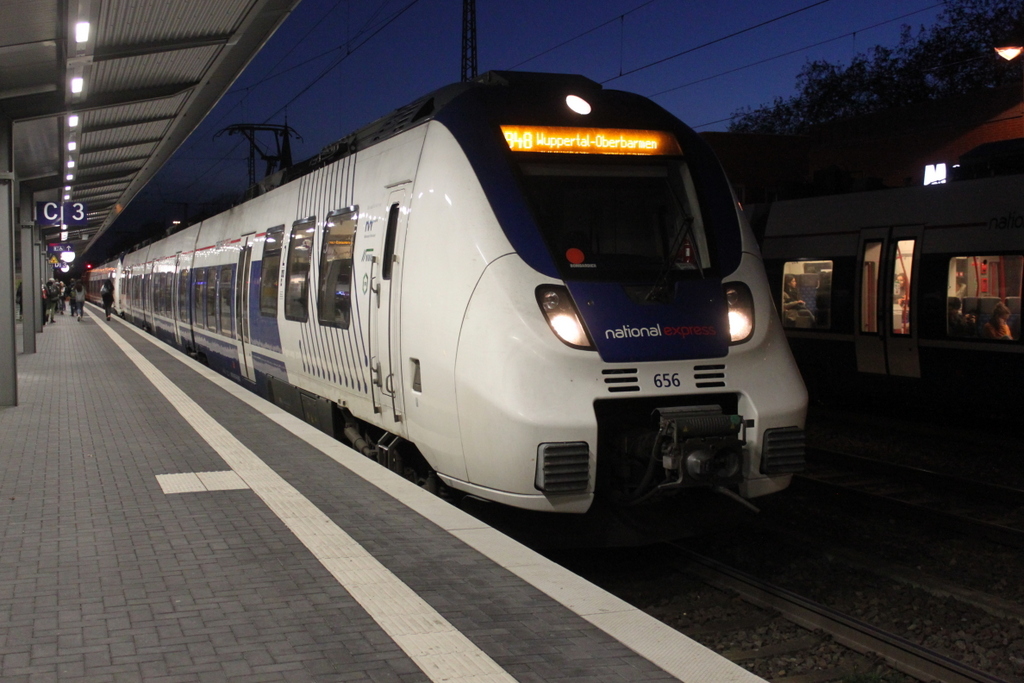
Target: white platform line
[(199, 482), (662, 645), (442, 652)]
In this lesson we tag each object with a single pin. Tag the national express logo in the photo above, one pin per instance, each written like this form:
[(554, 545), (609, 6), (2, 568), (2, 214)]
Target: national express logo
[(627, 332), (1012, 220)]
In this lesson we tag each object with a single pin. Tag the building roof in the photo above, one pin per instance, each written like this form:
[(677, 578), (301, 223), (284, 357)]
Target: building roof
[(151, 70)]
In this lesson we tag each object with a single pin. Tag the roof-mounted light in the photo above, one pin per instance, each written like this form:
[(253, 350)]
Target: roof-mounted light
[(578, 104), (82, 32), (77, 84), (72, 120)]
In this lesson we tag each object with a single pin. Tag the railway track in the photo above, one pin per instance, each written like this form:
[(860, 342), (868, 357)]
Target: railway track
[(980, 509), (899, 653)]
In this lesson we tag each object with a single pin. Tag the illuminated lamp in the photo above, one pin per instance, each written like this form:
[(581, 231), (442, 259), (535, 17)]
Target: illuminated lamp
[(82, 32), (578, 104), (69, 176), (77, 84), (1010, 50), (72, 120), (72, 145), (71, 163), (67, 256)]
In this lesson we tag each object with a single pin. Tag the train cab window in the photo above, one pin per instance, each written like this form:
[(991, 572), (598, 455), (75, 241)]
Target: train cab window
[(636, 222), (183, 295), (983, 297), (198, 296), (296, 287), (807, 295), (901, 287), (335, 295), (211, 299), (270, 271), (224, 296)]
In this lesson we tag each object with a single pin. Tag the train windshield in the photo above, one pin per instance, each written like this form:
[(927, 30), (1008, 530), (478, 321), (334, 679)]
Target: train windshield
[(623, 222)]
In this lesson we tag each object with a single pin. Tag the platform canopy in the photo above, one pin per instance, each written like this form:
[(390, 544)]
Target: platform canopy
[(149, 71)]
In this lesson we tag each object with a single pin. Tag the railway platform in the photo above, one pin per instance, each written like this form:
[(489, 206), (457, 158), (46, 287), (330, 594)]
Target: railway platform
[(160, 523)]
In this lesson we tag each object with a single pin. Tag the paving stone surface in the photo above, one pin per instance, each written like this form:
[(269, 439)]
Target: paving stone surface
[(105, 577)]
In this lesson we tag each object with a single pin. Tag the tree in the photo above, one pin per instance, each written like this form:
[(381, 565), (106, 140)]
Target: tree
[(953, 57)]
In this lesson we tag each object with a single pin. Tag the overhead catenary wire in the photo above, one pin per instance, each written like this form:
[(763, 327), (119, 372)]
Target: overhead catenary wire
[(350, 50), (795, 51), (718, 40)]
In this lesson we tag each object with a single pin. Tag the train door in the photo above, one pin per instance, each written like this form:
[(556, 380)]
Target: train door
[(243, 279), (886, 327), (174, 310), (385, 286)]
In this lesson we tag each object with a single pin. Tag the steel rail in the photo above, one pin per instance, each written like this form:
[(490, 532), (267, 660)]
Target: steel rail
[(937, 480), (945, 484), (898, 652)]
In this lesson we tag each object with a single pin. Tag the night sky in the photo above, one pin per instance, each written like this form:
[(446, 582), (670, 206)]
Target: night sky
[(336, 65)]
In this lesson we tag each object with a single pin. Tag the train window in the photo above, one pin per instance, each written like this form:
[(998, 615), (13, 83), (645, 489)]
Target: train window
[(161, 286), (389, 243), (335, 297), (807, 294), (983, 296), (901, 285), (270, 271), (183, 295), (198, 297), (630, 222), (870, 271), (224, 295), (211, 299), (296, 288)]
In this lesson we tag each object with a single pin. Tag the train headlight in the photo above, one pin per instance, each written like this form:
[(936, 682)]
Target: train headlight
[(562, 316), (741, 311)]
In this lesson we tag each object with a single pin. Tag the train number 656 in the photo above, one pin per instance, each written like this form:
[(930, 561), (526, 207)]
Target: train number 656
[(666, 379)]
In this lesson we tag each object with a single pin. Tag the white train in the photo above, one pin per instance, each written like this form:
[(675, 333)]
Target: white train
[(526, 288)]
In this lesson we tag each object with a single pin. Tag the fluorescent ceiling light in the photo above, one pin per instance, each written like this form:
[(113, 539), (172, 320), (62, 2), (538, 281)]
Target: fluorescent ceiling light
[(77, 84), (82, 32)]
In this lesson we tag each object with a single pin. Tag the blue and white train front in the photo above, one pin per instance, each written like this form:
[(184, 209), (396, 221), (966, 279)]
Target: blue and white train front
[(626, 350)]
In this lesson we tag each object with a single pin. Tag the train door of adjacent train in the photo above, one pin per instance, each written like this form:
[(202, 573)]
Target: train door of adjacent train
[(243, 284), (385, 368), (886, 330)]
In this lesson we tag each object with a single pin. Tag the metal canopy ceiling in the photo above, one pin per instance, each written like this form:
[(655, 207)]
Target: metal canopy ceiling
[(150, 69)]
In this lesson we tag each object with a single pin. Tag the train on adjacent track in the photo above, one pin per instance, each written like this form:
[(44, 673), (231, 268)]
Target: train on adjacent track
[(523, 289), (908, 299)]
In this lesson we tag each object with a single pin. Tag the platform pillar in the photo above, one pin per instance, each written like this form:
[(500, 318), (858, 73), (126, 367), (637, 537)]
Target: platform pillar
[(30, 313), (8, 345)]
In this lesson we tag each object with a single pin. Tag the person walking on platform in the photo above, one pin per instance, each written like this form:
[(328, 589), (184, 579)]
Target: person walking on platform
[(53, 294), (107, 292), (78, 299)]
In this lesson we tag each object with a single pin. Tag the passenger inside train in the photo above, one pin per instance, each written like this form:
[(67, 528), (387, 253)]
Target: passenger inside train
[(807, 294), (991, 293)]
